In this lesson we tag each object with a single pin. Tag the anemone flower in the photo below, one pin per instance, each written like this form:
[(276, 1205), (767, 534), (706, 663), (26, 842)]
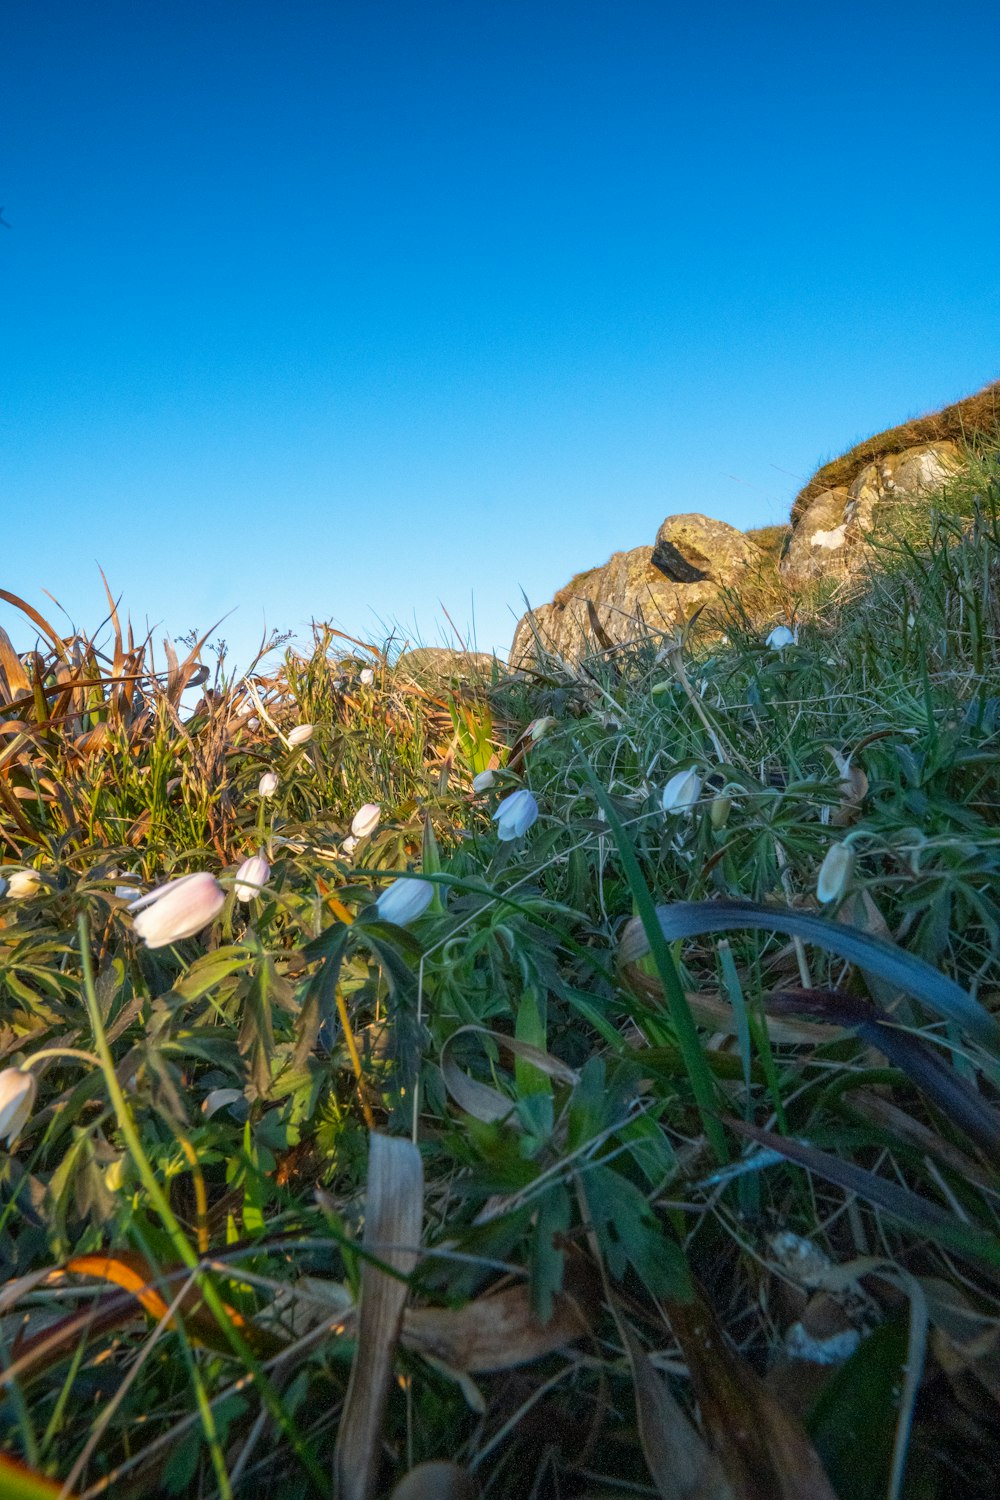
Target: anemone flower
[(681, 792), (251, 877), (515, 815), (404, 900), (178, 909), (365, 820), (18, 1088)]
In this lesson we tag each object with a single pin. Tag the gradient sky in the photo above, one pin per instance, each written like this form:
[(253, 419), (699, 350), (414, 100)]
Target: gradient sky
[(351, 310)]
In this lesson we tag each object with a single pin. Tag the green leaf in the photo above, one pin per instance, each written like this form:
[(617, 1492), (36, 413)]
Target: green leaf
[(629, 1233), (548, 1259), (685, 919), (857, 1410)]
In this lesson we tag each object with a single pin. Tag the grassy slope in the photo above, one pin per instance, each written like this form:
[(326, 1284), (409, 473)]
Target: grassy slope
[(972, 420), (612, 1198)]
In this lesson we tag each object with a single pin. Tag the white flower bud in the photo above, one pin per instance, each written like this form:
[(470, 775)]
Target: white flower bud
[(251, 877), (23, 883), (178, 909), (18, 1088), (366, 677), (268, 784), (482, 782), (539, 728), (403, 901), (515, 815), (365, 820), (835, 873), (681, 792), (780, 637), (300, 734)]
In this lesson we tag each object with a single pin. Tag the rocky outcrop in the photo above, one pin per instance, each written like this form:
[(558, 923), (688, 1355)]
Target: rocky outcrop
[(832, 534), (964, 422), (654, 588), (848, 502), (436, 666)]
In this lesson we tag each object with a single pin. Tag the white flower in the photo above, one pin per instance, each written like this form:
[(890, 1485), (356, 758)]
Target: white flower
[(18, 1088), (253, 722), (483, 781), (780, 637), (835, 872), (23, 883), (365, 820), (300, 734), (515, 815), (539, 728), (268, 784), (403, 901), (350, 844), (251, 877), (178, 909), (681, 792), (367, 677)]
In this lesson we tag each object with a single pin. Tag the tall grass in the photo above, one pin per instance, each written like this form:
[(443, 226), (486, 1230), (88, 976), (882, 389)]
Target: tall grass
[(708, 1185)]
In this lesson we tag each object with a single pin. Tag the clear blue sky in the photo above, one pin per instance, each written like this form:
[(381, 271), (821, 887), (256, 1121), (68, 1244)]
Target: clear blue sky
[(348, 310)]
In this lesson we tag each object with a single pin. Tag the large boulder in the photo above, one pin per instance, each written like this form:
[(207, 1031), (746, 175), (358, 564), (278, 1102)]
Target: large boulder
[(831, 534), (654, 588)]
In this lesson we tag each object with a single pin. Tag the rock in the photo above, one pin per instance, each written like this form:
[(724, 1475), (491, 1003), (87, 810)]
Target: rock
[(817, 547), (696, 549), (831, 535), (432, 666), (971, 421), (656, 588)]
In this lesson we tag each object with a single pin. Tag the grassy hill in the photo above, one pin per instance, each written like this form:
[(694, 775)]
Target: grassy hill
[(672, 1117)]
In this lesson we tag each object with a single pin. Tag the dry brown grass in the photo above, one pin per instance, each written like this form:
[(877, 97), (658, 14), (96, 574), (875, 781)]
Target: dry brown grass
[(963, 422)]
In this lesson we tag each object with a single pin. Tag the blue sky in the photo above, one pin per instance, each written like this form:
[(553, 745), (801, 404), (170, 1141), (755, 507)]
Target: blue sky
[(351, 310)]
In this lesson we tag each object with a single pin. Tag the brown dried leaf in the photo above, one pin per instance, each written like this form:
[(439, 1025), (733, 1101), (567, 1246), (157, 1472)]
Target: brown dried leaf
[(10, 662), (763, 1449), (393, 1219), (679, 1462), (494, 1332)]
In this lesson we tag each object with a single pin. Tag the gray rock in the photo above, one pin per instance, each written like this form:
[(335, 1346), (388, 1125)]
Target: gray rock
[(831, 537), (647, 588)]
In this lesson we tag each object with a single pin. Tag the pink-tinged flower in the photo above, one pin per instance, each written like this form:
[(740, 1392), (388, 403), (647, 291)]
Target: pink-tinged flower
[(268, 784), (482, 782), (681, 792), (18, 1088), (300, 734), (178, 909), (365, 820), (515, 815), (404, 900), (251, 877)]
